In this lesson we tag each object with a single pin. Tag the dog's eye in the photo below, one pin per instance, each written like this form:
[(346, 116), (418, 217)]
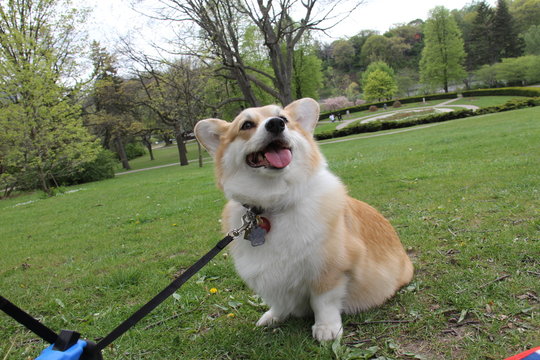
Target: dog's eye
[(248, 125)]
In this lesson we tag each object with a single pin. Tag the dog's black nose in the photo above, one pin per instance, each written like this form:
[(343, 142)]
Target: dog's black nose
[(275, 125)]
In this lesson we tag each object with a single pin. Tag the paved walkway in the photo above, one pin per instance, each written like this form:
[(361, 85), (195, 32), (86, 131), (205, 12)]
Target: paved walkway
[(443, 107), (205, 160)]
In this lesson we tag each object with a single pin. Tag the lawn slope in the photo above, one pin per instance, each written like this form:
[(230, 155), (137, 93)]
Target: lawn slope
[(464, 196)]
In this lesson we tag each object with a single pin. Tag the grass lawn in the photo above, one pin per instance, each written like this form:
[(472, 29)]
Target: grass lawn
[(485, 101), (164, 156), (464, 196)]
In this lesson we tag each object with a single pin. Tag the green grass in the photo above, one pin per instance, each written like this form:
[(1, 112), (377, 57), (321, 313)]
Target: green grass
[(164, 156), (464, 196), (486, 101)]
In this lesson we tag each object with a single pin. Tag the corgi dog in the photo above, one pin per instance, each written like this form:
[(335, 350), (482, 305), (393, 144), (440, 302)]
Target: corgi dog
[(324, 253)]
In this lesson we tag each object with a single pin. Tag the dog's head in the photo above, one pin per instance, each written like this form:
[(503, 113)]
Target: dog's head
[(264, 152)]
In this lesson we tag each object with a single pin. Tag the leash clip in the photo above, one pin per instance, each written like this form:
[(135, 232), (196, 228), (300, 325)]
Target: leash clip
[(249, 220)]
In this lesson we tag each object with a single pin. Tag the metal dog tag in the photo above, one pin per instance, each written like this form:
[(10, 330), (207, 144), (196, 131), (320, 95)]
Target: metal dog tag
[(255, 235)]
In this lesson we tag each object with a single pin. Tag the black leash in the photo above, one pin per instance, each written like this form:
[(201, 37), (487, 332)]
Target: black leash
[(27, 321), (164, 294), (92, 351)]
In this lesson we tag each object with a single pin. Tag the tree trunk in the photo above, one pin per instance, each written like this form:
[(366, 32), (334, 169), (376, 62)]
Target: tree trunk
[(148, 145), (121, 151), (44, 184), (181, 144), (166, 139)]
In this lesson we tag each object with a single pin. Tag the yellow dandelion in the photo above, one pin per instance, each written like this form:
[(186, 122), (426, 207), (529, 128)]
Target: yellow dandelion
[(174, 225), (231, 315), (213, 290)]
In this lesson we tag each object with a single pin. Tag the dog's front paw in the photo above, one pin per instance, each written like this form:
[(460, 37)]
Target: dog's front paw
[(269, 319), (325, 332)]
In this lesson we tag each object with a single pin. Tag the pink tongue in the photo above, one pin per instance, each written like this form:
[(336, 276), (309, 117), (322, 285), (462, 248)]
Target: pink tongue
[(279, 158)]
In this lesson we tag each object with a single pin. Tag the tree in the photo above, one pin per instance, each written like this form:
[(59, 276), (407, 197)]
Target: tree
[(383, 48), (223, 22), (175, 92), (410, 39), (480, 44), (307, 75), (443, 54), (379, 86), (532, 40), (343, 54), (525, 13), (377, 65), (109, 112), (376, 48), (41, 129), (507, 42)]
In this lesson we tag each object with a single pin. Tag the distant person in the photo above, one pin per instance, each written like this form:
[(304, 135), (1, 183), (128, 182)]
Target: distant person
[(339, 117), (385, 107), (332, 118)]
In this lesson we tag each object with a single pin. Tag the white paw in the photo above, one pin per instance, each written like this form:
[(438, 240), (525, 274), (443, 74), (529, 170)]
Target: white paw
[(268, 319), (326, 332)]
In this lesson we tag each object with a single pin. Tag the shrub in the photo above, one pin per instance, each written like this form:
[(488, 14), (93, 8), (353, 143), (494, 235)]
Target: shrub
[(396, 104), (135, 150), (373, 108), (100, 169), (511, 91)]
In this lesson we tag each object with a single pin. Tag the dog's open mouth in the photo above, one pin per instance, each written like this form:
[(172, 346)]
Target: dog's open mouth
[(277, 155)]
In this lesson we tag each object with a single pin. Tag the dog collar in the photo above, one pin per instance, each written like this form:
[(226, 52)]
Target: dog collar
[(257, 226)]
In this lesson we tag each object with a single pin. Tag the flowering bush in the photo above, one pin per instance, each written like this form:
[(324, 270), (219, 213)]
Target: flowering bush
[(335, 103)]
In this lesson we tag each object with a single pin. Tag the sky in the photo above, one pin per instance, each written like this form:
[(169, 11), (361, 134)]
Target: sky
[(113, 18)]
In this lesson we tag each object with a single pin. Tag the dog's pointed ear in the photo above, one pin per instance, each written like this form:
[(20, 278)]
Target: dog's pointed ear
[(208, 132), (306, 112)]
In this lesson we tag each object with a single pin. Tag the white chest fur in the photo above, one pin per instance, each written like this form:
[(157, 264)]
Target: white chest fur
[(292, 257)]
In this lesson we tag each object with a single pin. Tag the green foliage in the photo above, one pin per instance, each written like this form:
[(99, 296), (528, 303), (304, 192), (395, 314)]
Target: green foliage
[(532, 40), (480, 44), (511, 71), (41, 129), (307, 74), (376, 48), (443, 53), (99, 169), (512, 91), (525, 13), (504, 32), (379, 85), (135, 150), (377, 65), (343, 54)]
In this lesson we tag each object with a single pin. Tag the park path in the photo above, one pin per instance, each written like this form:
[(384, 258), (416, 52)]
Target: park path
[(205, 160), (444, 106)]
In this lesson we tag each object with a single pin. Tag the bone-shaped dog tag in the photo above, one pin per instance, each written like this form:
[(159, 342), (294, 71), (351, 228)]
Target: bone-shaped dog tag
[(256, 236)]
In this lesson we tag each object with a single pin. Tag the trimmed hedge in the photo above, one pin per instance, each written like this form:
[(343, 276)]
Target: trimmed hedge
[(458, 114), (512, 91)]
